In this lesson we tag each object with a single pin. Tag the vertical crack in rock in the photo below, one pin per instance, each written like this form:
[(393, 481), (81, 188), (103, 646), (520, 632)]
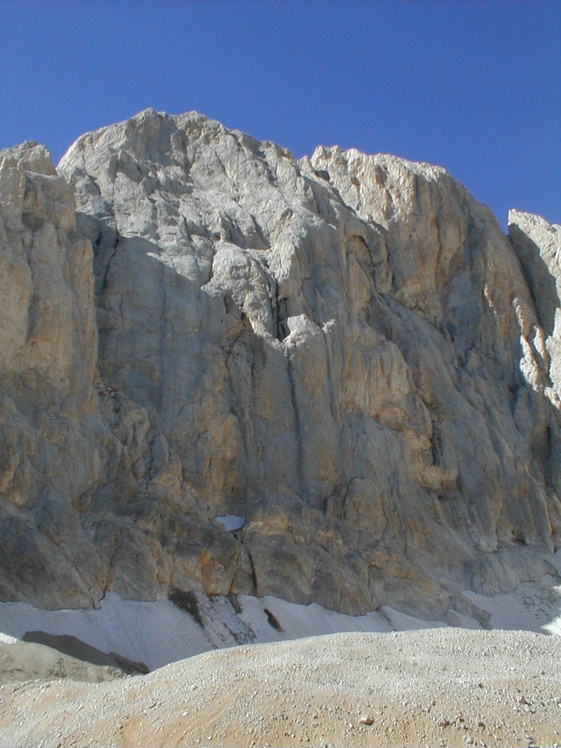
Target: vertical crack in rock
[(298, 440), (164, 323), (330, 379), (436, 444), (280, 313), (255, 587), (97, 253)]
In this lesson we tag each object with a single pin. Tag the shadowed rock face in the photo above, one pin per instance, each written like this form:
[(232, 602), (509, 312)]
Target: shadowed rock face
[(345, 350)]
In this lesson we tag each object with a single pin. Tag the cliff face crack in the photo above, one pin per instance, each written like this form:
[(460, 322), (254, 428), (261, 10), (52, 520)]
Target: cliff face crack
[(255, 586), (100, 251), (330, 380), (280, 314), (298, 441), (151, 458), (162, 339)]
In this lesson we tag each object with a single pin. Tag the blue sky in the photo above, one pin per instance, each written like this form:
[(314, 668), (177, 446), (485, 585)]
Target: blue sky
[(471, 85)]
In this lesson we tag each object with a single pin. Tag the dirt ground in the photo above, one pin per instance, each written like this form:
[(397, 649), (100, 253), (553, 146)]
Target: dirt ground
[(440, 687)]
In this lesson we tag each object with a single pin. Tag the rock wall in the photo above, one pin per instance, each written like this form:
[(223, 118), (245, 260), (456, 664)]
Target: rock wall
[(345, 350)]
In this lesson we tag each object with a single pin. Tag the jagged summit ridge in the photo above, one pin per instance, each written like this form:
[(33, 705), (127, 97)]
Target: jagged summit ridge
[(345, 350)]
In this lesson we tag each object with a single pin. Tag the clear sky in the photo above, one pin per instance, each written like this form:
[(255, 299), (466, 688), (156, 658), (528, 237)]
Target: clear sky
[(471, 85)]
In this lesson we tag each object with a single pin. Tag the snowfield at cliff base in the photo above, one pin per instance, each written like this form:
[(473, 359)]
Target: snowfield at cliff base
[(411, 683), (134, 629)]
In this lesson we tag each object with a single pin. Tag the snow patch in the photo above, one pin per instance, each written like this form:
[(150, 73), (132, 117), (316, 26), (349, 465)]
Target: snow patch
[(5, 639), (231, 522), (160, 632), (533, 606)]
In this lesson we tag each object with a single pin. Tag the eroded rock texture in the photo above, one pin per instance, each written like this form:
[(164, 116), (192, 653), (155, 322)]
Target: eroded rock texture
[(345, 350)]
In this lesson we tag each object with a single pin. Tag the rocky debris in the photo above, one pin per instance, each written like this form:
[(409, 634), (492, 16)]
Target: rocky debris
[(451, 687), (344, 350)]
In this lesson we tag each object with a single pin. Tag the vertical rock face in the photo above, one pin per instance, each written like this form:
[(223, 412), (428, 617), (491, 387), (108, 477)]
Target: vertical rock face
[(538, 246), (345, 350), (48, 341), (66, 440)]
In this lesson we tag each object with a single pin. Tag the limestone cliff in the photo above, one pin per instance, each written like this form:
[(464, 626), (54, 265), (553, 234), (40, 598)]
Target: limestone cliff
[(344, 350)]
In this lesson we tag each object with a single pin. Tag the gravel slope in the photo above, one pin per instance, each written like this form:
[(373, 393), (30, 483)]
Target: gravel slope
[(449, 687)]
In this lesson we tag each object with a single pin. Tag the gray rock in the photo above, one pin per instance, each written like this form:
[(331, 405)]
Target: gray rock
[(344, 350)]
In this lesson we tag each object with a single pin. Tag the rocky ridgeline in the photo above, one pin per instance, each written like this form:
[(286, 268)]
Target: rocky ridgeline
[(344, 350)]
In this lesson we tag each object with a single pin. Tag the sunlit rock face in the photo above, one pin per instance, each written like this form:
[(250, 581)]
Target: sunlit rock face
[(344, 352)]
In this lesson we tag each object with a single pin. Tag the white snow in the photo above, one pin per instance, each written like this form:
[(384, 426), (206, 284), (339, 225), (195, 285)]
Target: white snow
[(231, 521), (159, 632), (154, 633), (533, 606)]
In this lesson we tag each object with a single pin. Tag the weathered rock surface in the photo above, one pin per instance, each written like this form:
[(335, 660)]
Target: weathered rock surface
[(345, 350)]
